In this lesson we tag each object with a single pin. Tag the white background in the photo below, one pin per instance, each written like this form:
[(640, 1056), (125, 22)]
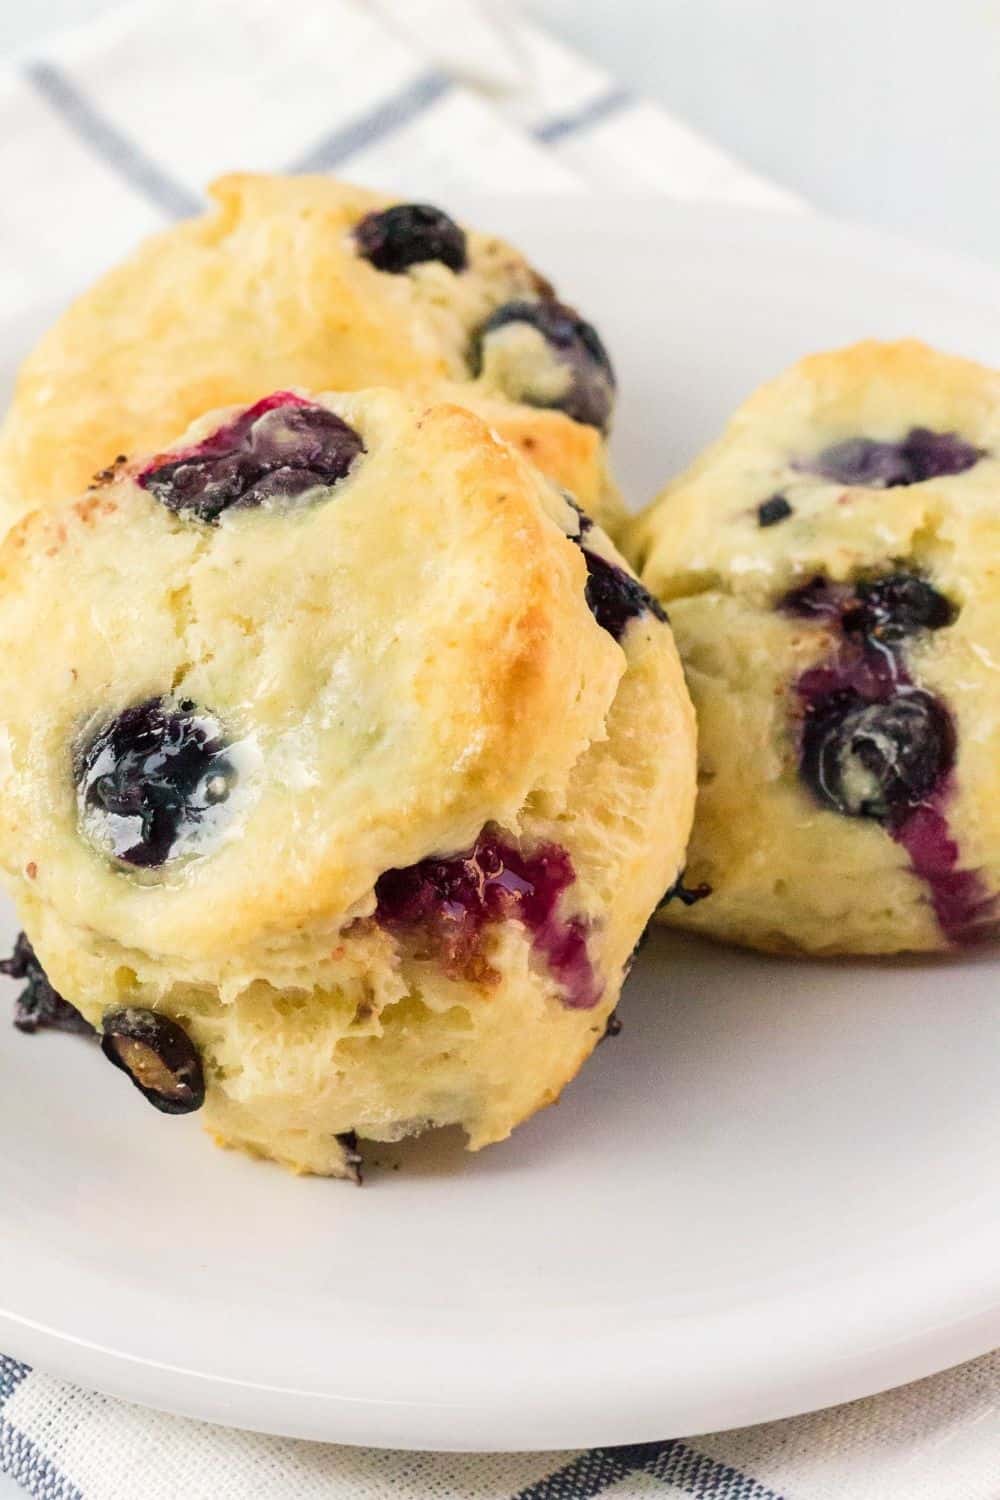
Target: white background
[(876, 110), (884, 111)]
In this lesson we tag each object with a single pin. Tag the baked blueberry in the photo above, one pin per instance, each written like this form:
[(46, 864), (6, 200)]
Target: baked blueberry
[(277, 451), (819, 599), (153, 781), (574, 375), (687, 895), (408, 234), (614, 1025), (863, 461), (770, 512), (898, 605), (39, 1006), (615, 597), (158, 1056), (353, 1161), (445, 906), (921, 455), (876, 759)]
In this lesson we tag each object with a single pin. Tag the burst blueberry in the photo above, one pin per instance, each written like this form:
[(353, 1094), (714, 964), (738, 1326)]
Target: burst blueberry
[(445, 906), (158, 1056), (39, 1006), (578, 362), (876, 759), (408, 234), (896, 606), (152, 780), (271, 455)]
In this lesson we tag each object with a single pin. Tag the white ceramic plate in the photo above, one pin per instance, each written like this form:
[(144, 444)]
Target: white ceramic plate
[(777, 1189)]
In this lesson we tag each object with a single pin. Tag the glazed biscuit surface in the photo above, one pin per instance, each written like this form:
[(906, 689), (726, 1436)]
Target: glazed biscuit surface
[(271, 288), (830, 570), (342, 740)]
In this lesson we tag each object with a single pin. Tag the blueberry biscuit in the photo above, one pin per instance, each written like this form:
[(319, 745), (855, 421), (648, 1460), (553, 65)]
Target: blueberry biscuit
[(829, 566), (304, 281), (343, 764)]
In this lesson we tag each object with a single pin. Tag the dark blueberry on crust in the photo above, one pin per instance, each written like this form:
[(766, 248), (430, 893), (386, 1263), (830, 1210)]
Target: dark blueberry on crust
[(151, 780), (879, 465), (876, 759), (687, 895), (770, 512), (273, 453), (890, 608), (612, 1027), (577, 378), (158, 1056), (443, 907), (862, 461), (615, 597), (408, 234), (39, 1006), (352, 1157)]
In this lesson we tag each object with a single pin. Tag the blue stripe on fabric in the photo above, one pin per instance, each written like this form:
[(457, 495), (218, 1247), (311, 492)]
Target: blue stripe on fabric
[(23, 1461), (587, 1476), (593, 1474), (20, 1458), (108, 142), (560, 126), (12, 1372), (389, 116)]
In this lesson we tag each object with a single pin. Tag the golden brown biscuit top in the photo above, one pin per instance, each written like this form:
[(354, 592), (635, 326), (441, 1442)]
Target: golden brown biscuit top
[(359, 656), (281, 284), (871, 455)]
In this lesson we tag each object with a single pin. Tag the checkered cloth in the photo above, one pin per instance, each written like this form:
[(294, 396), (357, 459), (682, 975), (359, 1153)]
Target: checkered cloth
[(120, 126)]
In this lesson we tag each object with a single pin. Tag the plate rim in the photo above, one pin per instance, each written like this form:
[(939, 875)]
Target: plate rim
[(898, 1359)]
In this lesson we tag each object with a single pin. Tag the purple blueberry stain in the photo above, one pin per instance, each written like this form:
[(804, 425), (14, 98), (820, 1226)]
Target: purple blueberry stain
[(444, 907), (874, 744), (878, 465), (153, 782), (576, 355), (271, 455), (409, 234), (966, 911), (39, 1007)]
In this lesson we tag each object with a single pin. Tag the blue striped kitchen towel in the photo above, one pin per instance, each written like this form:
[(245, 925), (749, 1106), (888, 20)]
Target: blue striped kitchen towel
[(120, 125)]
